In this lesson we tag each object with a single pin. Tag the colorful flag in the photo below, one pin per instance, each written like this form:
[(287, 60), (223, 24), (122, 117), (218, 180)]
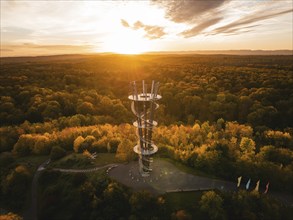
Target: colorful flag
[(239, 181), (267, 187), (247, 184), (257, 185)]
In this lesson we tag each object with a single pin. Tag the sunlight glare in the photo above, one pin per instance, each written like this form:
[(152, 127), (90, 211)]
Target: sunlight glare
[(126, 42)]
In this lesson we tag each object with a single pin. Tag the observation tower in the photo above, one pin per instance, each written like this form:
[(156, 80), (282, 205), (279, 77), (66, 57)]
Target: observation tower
[(143, 105)]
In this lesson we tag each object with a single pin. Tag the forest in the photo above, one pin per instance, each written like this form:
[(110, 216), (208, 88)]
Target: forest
[(223, 115)]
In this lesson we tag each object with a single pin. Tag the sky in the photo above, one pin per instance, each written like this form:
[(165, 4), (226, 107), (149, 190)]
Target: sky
[(30, 28)]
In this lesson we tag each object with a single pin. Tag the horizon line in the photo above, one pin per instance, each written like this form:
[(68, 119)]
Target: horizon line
[(186, 52)]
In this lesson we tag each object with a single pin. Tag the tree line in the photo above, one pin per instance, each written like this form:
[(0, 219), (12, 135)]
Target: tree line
[(224, 149)]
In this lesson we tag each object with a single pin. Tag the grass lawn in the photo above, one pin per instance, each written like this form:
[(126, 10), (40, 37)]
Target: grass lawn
[(105, 158), (182, 200), (32, 161), (187, 169), (188, 201), (79, 161)]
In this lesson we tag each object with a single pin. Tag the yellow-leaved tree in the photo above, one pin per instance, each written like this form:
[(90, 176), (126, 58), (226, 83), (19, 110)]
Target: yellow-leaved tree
[(125, 151)]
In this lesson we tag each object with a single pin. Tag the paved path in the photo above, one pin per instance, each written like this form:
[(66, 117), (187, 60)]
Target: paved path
[(110, 166), (31, 213), (164, 178)]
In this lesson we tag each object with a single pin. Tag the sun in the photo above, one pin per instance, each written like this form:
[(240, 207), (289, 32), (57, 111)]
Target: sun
[(126, 42)]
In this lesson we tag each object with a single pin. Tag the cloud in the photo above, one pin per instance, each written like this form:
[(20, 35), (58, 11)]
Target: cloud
[(124, 23), (6, 50), (243, 23), (199, 28), (187, 11), (154, 32), (137, 25), (29, 49), (201, 14), (236, 31), (151, 31), (13, 33), (61, 47)]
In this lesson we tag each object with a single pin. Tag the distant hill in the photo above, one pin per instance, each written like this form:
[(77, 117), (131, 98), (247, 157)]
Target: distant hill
[(41, 58), (68, 57), (229, 52)]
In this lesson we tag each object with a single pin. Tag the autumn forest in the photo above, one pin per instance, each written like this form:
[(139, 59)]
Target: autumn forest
[(220, 116)]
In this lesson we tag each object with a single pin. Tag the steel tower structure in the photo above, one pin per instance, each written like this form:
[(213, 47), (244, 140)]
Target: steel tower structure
[(143, 106)]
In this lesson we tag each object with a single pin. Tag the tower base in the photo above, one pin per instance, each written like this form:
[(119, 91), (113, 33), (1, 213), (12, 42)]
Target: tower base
[(145, 159)]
